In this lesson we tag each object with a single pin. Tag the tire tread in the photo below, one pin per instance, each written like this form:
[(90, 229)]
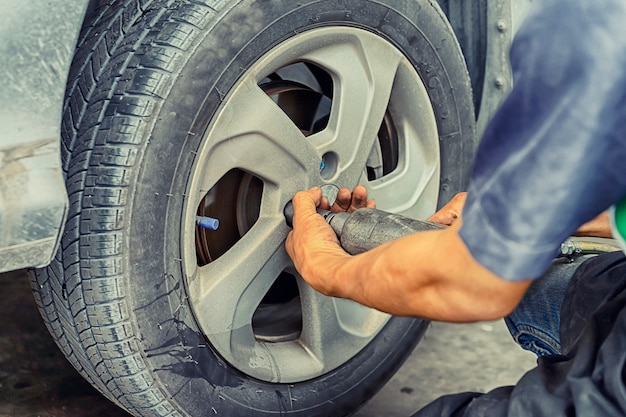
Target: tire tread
[(81, 294)]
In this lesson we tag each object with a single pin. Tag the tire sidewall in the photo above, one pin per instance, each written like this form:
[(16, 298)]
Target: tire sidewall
[(188, 368)]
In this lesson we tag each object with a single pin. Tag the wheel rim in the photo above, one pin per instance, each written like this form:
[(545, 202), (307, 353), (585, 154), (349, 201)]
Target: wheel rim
[(361, 115)]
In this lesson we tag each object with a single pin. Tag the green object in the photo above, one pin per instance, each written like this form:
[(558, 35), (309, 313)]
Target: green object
[(620, 217), (618, 222)]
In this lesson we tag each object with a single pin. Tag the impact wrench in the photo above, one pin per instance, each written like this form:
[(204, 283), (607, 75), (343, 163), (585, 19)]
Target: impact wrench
[(366, 228)]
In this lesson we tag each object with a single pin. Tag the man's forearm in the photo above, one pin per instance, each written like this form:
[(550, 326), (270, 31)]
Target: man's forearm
[(429, 275)]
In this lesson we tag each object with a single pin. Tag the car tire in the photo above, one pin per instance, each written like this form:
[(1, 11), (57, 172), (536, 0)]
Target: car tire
[(168, 319)]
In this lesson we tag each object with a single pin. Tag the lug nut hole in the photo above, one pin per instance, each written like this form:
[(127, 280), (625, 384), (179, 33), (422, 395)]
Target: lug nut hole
[(328, 166)]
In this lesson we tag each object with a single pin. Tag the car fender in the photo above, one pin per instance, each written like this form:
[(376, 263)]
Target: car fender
[(38, 38)]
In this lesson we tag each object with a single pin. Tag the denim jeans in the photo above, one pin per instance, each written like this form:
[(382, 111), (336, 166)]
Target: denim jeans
[(535, 322)]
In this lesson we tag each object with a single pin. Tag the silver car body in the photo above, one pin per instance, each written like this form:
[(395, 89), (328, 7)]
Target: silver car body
[(38, 38)]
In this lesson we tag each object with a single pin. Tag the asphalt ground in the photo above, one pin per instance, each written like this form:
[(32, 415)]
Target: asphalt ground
[(37, 381), (452, 358)]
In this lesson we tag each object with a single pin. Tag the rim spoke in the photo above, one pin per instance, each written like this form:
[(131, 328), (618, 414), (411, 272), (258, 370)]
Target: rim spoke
[(228, 290), (253, 133), (331, 325), (419, 182), (364, 69), (412, 187)]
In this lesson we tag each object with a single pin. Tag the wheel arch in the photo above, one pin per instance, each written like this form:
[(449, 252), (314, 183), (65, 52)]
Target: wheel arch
[(485, 29)]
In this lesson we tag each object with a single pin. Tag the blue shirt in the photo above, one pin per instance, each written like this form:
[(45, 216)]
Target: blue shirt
[(554, 156)]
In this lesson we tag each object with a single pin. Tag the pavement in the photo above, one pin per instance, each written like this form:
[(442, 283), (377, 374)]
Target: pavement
[(452, 358), (37, 381)]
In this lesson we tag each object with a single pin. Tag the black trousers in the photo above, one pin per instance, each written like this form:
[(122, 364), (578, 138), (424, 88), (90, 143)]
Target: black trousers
[(588, 379)]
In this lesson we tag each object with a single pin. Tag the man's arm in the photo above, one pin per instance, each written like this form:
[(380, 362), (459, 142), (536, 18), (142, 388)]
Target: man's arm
[(429, 274), (599, 226)]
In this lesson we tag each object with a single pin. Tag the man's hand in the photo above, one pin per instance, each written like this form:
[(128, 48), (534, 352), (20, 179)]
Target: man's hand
[(312, 244), (349, 201), (451, 212)]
